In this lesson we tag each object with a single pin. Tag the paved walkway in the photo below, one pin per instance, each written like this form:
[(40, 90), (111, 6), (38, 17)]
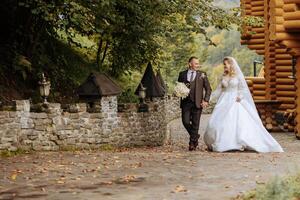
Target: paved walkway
[(169, 172)]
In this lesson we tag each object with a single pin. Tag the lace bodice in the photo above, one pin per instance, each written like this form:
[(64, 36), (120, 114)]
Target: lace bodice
[(232, 84), (229, 82)]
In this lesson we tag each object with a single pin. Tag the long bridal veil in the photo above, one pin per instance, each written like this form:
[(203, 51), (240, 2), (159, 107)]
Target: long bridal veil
[(236, 125)]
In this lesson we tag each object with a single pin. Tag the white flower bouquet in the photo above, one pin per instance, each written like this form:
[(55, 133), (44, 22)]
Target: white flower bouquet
[(181, 90)]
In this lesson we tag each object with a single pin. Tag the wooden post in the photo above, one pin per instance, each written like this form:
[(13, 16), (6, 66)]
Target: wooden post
[(297, 119), (268, 54)]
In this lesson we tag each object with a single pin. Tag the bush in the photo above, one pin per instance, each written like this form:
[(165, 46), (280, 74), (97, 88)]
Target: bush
[(277, 189), (128, 96)]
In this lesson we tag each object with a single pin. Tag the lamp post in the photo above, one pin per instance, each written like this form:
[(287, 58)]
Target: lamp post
[(294, 60), (255, 62), (44, 88), (143, 107)]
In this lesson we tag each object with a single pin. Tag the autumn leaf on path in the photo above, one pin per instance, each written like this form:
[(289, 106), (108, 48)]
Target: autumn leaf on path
[(60, 182), (14, 176), (129, 179), (179, 188), (136, 165)]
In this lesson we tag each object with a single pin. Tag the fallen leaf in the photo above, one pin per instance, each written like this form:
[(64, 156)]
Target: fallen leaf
[(60, 182), (14, 176), (259, 182), (179, 188)]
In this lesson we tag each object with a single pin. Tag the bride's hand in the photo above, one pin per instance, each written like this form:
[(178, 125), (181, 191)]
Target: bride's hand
[(204, 104), (238, 99)]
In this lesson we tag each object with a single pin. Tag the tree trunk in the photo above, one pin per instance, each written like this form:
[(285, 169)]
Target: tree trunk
[(104, 53), (99, 52)]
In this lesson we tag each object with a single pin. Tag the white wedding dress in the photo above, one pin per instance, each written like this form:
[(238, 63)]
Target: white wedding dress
[(236, 125)]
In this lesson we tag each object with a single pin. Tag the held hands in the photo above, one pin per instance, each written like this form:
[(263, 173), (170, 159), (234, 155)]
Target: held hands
[(204, 104), (238, 99)]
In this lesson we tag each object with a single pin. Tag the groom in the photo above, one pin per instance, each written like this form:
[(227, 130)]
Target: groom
[(191, 106)]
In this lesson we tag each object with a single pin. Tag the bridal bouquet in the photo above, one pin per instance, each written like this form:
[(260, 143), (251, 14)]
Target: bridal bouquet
[(181, 90)]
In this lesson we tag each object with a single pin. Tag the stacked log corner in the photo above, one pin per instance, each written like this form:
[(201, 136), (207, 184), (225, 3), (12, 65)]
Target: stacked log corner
[(257, 86)]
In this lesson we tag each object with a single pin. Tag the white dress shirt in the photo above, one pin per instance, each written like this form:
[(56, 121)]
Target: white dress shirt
[(191, 75)]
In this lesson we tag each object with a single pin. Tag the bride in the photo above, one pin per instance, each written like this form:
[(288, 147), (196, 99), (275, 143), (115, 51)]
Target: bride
[(235, 124)]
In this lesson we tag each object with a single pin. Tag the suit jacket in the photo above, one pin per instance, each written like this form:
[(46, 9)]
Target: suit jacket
[(201, 84)]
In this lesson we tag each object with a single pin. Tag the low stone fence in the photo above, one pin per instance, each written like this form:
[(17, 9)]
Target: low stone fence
[(78, 126)]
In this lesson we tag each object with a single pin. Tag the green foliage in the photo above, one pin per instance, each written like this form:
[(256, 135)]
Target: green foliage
[(128, 31), (69, 38), (7, 153), (226, 43), (245, 58), (22, 65), (253, 21), (277, 189), (128, 96), (129, 82), (215, 75)]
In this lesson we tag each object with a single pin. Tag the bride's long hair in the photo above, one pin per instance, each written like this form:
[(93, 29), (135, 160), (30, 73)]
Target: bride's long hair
[(231, 72)]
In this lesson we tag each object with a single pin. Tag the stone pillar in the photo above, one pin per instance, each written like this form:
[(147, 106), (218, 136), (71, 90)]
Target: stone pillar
[(23, 123), (109, 110), (11, 123), (23, 110), (44, 135)]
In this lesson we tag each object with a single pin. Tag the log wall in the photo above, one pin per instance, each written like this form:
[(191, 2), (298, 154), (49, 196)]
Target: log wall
[(257, 86), (277, 41)]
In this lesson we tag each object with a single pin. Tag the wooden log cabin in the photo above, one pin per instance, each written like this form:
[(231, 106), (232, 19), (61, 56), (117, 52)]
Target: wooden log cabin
[(279, 42)]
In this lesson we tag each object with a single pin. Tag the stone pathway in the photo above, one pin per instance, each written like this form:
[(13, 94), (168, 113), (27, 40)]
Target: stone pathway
[(169, 172)]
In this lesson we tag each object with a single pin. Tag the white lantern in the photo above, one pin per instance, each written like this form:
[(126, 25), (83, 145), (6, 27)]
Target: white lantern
[(142, 92), (143, 107), (44, 88)]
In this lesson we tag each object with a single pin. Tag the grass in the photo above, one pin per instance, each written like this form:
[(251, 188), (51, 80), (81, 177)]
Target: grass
[(279, 188), (72, 148), (7, 153)]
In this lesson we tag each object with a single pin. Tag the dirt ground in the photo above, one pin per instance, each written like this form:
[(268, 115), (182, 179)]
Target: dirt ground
[(163, 173)]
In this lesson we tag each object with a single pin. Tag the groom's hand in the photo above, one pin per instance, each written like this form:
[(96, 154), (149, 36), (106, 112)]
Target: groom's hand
[(204, 104)]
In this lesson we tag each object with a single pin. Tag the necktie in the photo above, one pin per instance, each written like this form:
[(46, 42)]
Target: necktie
[(192, 77)]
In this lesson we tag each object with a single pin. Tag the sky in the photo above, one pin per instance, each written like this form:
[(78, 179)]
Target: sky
[(227, 3)]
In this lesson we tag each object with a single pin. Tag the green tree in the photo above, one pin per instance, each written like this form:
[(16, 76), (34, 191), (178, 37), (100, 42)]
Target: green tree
[(69, 38)]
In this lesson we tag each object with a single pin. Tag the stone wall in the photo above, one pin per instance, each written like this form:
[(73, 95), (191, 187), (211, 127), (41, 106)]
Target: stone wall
[(78, 126)]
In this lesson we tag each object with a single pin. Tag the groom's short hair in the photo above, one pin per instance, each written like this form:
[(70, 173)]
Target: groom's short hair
[(192, 58)]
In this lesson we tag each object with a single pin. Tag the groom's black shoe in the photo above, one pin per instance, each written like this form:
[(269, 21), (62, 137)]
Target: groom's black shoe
[(193, 145), (192, 148)]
